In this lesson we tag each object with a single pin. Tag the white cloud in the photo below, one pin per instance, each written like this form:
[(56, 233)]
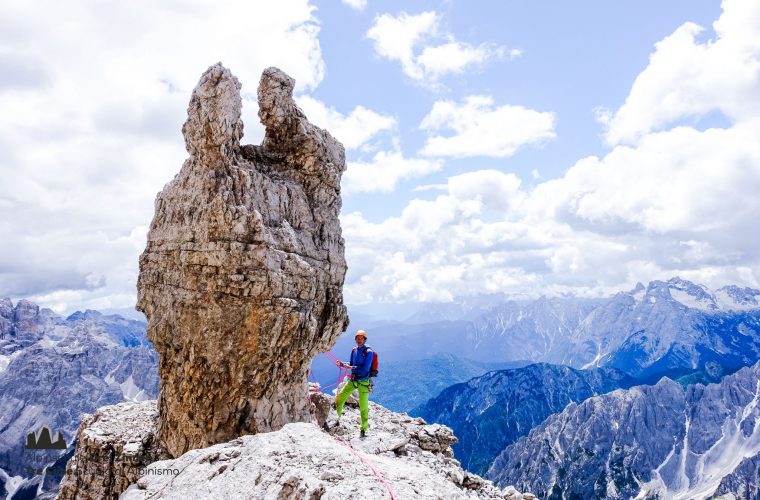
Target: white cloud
[(424, 51), (681, 203), (384, 171), (435, 249), (430, 187), (356, 4), (676, 201), (396, 37), (686, 78), (354, 129), (451, 57), (93, 102), (480, 128)]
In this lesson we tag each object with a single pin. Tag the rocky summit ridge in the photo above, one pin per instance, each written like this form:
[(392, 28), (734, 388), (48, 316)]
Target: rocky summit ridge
[(402, 458)]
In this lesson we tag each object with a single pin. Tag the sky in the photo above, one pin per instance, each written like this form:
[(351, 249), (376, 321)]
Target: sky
[(519, 147)]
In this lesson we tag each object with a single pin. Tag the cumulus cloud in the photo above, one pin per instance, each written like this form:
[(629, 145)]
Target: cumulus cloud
[(670, 199), (451, 57), (356, 4), (424, 51), (93, 102), (687, 78), (354, 129), (482, 129), (437, 249), (681, 203), (384, 171)]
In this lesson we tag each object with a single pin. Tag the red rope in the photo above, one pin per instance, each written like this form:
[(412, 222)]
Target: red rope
[(366, 462), (341, 372)]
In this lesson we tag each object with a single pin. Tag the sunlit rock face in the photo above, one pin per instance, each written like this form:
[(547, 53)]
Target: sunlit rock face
[(241, 279)]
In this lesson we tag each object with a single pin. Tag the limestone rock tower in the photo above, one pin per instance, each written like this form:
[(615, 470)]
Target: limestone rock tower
[(241, 279)]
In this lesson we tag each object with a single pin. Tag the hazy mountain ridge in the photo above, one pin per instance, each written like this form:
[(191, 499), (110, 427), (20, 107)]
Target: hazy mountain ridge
[(669, 327), (492, 411), (405, 385)]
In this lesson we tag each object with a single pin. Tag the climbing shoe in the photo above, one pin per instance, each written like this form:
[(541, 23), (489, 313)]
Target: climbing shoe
[(363, 434)]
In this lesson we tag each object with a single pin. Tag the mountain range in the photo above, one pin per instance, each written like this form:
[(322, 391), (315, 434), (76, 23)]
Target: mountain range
[(656, 441), (672, 328), (492, 411), (52, 371), (405, 385), (463, 365)]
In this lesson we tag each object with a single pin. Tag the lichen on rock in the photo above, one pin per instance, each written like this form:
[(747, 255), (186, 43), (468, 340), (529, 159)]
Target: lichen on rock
[(241, 279)]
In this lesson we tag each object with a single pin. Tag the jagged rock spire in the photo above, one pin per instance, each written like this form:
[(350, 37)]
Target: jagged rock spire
[(241, 279), (213, 128)]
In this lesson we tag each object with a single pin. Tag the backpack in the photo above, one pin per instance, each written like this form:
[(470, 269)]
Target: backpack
[(373, 369)]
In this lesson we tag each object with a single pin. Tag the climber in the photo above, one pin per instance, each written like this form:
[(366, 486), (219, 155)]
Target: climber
[(360, 365)]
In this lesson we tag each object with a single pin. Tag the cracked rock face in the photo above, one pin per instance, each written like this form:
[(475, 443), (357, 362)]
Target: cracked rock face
[(115, 448), (241, 279)]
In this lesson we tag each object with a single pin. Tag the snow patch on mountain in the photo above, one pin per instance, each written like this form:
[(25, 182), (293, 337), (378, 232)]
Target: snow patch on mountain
[(638, 293), (132, 392), (693, 302), (129, 389), (594, 363), (734, 298), (698, 297), (5, 360), (727, 298), (700, 474), (10, 483)]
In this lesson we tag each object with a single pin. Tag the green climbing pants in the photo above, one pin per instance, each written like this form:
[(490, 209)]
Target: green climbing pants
[(363, 387)]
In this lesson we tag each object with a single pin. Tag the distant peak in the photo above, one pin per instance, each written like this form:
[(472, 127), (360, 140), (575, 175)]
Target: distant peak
[(680, 282), (87, 314), (26, 303)]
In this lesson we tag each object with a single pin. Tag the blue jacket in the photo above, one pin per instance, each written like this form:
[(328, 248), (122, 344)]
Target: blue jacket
[(362, 363)]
